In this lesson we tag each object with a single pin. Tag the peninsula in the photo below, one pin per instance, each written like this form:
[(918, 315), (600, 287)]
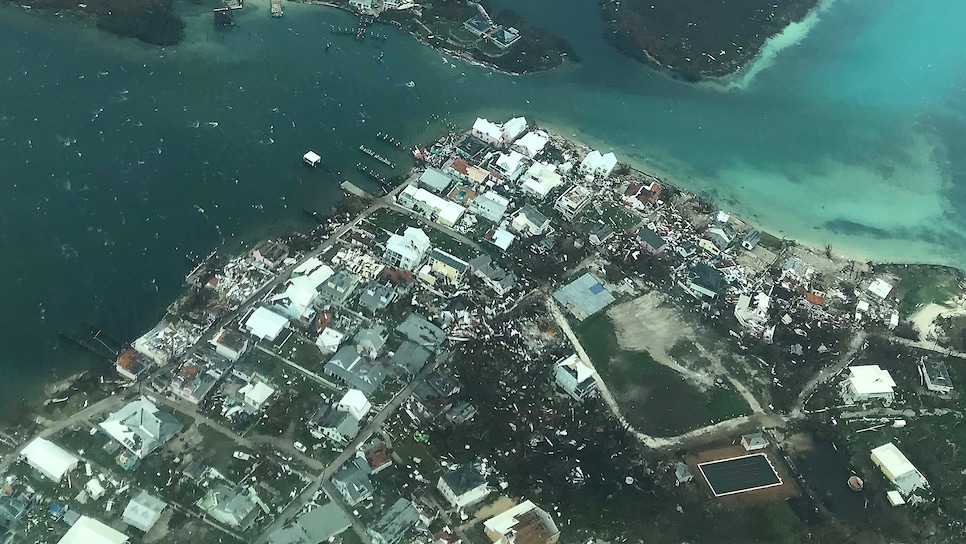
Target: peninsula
[(522, 328)]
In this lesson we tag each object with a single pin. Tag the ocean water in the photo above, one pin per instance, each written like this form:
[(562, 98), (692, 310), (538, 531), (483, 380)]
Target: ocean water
[(117, 159)]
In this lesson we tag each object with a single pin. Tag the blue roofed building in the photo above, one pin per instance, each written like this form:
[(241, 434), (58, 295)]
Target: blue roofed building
[(584, 296)]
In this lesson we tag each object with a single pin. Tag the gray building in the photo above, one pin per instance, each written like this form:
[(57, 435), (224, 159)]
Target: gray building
[(354, 370), (584, 296), (353, 484), (417, 329), (392, 527), (144, 511), (316, 526), (435, 180), (410, 358), (338, 287)]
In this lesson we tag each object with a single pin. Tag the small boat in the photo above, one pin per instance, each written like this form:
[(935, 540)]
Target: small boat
[(856, 483), (411, 84)]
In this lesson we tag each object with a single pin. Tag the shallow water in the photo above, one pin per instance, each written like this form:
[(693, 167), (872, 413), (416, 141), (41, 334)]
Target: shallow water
[(117, 159)]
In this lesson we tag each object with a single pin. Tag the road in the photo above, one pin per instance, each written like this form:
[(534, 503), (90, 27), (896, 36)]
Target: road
[(350, 451), (858, 341), (311, 375)]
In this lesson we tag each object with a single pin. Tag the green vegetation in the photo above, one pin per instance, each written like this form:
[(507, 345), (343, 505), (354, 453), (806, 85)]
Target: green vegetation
[(921, 285)]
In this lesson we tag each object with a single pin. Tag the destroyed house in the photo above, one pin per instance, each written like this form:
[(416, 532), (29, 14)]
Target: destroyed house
[(355, 371), (393, 526), (463, 486), (706, 280), (270, 253), (131, 364), (419, 330), (524, 523), (492, 275)]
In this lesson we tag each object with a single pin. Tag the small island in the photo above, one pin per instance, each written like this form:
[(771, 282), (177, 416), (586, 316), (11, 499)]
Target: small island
[(701, 38)]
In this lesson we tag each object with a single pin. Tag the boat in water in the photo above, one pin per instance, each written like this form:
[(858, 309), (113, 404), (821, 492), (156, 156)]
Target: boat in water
[(856, 483)]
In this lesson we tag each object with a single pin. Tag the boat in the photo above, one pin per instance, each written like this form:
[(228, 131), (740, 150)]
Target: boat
[(856, 483), (411, 84), (312, 158)]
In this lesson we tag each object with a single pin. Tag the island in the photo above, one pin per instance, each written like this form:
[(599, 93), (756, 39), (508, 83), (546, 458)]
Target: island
[(522, 336), (699, 38)]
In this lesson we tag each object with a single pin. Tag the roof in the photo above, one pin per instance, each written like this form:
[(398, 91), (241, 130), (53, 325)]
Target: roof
[(651, 238), (514, 127), (143, 511), (464, 479), (484, 265), (893, 460), (577, 368), (597, 162), (500, 237), (530, 523), (707, 277), (372, 338), (90, 531), (486, 128), (880, 288), (448, 259), (400, 517), (410, 357), (357, 372), (322, 523), (355, 400), (355, 481), (421, 331), (49, 458), (489, 205), (141, 427), (265, 324), (532, 215), (435, 179), (871, 380), (412, 244), (937, 373), (585, 295), (533, 142), (257, 393)]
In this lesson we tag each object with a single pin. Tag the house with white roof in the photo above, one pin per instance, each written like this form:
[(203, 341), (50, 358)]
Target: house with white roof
[(513, 128), (490, 133), (868, 382), (49, 459), (596, 164), (532, 143), (355, 402), (141, 427), (446, 212), (575, 377), (528, 221), (510, 165), (532, 524), (490, 205), (902, 473), (265, 324), (329, 340), (90, 531), (406, 251), (540, 179), (463, 486), (230, 344), (144, 511), (255, 394)]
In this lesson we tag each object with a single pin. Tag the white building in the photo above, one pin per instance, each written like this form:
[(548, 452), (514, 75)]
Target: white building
[(869, 382), (596, 164), (532, 143), (514, 128), (330, 340), (49, 459), (529, 222), (898, 469), (230, 344), (355, 403), (575, 377), (144, 511), (361, 5), (406, 251), (533, 524), (141, 427), (265, 324), (90, 531), (446, 213), (490, 133), (256, 394), (540, 179), (464, 486), (572, 201), (510, 166)]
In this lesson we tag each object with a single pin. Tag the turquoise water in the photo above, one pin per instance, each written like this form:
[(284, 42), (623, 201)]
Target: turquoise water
[(117, 159)]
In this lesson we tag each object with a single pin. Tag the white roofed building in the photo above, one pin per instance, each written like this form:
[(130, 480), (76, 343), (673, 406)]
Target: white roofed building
[(532, 143), (90, 531), (540, 179), (50, 459), (902, 473), (143, 511), (528, 221), (575, 377), (531, 524), (141, 427), (596, 164), (265, 324), (447, 213), (406, 251), (330, 340), (256, 394), (490, 133), (514, 128), (355, 403), (869, 382)]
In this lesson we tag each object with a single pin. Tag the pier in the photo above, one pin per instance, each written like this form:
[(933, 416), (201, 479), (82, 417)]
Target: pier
[(377, 156)]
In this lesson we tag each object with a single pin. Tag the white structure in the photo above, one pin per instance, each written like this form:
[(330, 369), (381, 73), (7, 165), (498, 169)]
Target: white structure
[(141, 427), (895, 498), (265, 324), (490, 205), (510, 166), (529, 222), (256, 394), (540, 179), (463, 486), (361, 5), (514, 128), (230, 344), (90, 531), (330, 340), (575, 377), (490, 133), (870, 382), (596, 164), (312, 158), (572, 201), (898, 469), (752, 313), (447, 213), (50, 459), (407, 251), (532, 144), (524, 519), (355, 403), (144, 511), (94, 489), (880, 288), (754, 441)]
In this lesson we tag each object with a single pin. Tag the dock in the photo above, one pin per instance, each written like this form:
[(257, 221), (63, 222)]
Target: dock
[(377, 156), (353, 189)]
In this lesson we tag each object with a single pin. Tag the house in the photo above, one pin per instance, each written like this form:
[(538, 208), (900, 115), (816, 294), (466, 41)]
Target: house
[(868, 382), (513, 128), (406, 251), (331, 423), (651, 241), (492, 275), (361, 5), (270, 254), (500, 237), (720, 234), (532, 143), (903, 474), (575, 377), (318, 525), (572, 201), (705, 280), (490, 133), (378, 459), (338, 287), (230, 344), (417, 329), (49, 459), (601, 233), (353, 484), (880, 288), (529, 222), (90, 531), (526, 522), (463, 486), (265, 324), (435, 180), (255, 394), (490, 205), (196, 377), (682, 474), (235, 507), (935, 375), (505, 36), (597, 165), (299, 299), (639, 195), (446, 265), (329, 340), (754, 441), (392, 527), (751, 239), (584, 296), (355, 371), (143, 511), (131, 364), (434, 207), (369, 342), (510, 166), (376, 296), (540, 179), (355, 402), (141, 427), (410, 358)]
